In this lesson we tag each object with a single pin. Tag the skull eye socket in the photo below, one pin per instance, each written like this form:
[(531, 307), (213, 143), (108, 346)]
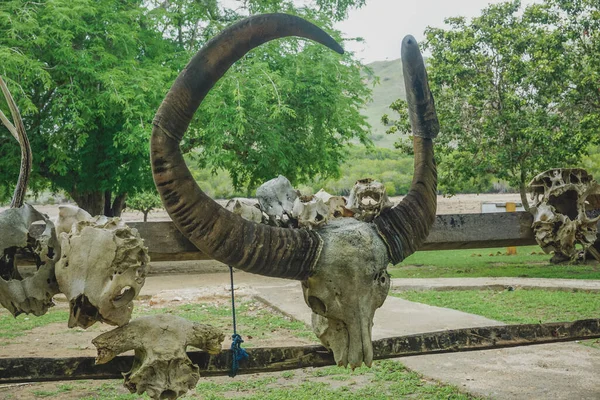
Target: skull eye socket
[(317, 305), (124, 297)]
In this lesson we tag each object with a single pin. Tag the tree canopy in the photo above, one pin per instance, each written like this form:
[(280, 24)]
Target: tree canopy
[(89, 76), (516, 91)]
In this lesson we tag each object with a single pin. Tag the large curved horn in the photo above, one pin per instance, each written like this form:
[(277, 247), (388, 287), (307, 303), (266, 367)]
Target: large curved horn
[(19, 133), (405, 226), (256, 248)]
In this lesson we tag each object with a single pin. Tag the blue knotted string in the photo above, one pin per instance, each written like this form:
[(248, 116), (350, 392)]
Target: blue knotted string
[(237, 352)]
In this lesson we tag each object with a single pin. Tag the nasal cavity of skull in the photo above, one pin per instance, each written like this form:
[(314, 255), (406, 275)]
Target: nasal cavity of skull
[(370, 198), (8, 265), (124, 297), (380, 277), (83, 306), (565, 203), (168, 395), (317, 305)]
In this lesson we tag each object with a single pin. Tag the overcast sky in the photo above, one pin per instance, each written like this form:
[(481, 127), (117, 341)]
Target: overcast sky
[(383, 23)]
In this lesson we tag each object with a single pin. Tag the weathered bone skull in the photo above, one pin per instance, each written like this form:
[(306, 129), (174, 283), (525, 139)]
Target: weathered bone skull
[(101, 271), (246, 210), (32, 295), (310, 211), (367, 199), (336, 204), (349, 283), (161, 366), (276, 198), (563, 199), (342, 264)]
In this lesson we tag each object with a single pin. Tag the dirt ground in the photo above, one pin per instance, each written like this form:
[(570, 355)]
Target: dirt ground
[(459, 204)]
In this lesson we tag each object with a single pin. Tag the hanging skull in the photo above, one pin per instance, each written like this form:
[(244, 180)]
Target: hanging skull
[(101, 271), (367, 199), (33, 294), (161, 366), (342, 264), (562, 212)]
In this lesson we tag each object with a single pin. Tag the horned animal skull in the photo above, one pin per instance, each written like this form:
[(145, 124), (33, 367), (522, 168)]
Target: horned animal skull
[(367, 199), (32, 295), (341, 263), (101, 271), (563, 199), (161, 366)]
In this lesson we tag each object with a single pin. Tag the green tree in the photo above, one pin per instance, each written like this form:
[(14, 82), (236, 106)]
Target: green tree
[(144, 202), (504, 88), (91, 74)]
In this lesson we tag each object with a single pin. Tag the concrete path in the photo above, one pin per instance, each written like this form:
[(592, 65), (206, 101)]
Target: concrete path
[(553, 371), (400, 284)]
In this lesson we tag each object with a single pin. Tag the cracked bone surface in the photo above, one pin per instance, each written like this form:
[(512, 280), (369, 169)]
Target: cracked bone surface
[(161, 367), (33, 294), (563, 200), (349, 282), (276, 198), (101, 270), (310, 212), (367, 199)]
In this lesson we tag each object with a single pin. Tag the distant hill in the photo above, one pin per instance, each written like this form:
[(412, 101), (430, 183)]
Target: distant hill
[(389, 88)]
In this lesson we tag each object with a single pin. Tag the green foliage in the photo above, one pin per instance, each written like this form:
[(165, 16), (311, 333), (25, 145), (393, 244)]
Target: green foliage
[(144, 202), (89, 76), (514, 94), (514, 307)]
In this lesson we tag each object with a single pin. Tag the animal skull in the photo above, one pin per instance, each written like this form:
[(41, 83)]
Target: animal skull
[(245, 209), (161, 366), (349, 283), (101, 271), (367, 199), (276, 198), (32, 295), (310, 211), (563, 199), (336, 204)]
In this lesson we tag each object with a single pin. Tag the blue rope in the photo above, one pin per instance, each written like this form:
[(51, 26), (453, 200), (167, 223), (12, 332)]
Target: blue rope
[(237, 352)]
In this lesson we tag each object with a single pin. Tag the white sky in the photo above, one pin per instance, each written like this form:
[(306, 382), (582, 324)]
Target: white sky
[(383, 23)]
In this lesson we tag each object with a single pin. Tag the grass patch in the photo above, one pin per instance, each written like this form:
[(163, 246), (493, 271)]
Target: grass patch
[(492, 262), (11, 327), (254, 320), (514, 307)]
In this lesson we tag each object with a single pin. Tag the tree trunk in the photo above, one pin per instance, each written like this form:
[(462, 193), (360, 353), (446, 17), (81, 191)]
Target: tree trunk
[(146, 215), (92, 202), (523, 192), (119, 204), (107, 206)]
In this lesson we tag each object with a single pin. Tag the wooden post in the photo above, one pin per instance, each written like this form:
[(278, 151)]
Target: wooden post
[(511, 207)]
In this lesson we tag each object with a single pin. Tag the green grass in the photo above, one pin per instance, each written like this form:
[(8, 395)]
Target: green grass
[(514, 307), (489, 263), (11, 327)]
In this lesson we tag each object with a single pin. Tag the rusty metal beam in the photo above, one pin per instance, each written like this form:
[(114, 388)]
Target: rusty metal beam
[(16, 370)]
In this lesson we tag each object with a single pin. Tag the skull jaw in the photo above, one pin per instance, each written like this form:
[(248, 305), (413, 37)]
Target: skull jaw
[(349, 283)]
